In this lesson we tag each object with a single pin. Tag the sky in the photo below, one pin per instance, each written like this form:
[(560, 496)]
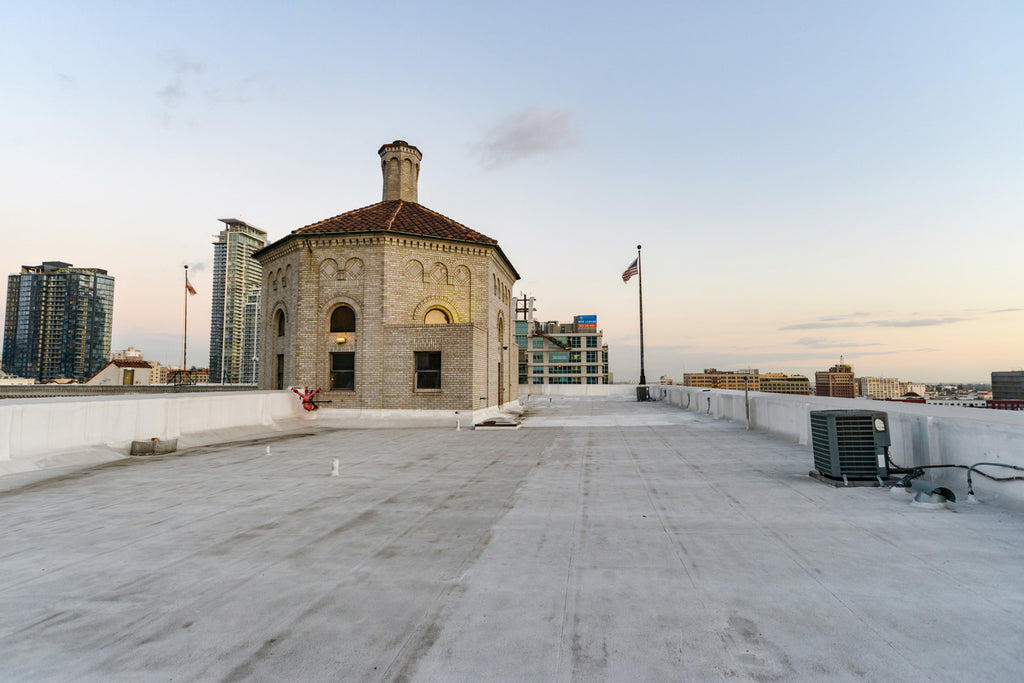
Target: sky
[(808, 180)]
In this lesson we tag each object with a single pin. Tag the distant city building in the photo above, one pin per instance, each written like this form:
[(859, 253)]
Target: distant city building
[(251, 338), (781, 383), (131, 372), (958, 402), (837, 381), (6, 379), (713, 378), (131, 353), (879, 388), (1008, 385), (161, 374), (58, 322), (1009, 404), (194, 375), (913, 388), (235, 274), (560, 353), (750, 379)]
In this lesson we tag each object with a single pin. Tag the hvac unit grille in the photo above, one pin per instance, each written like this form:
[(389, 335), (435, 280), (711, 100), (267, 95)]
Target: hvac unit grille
[(850, 443)]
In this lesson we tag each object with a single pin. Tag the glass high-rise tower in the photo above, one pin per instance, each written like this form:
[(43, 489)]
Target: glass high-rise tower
[(235, 274), (58, 321)]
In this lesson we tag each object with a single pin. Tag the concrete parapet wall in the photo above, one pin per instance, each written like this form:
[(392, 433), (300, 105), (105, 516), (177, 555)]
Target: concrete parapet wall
[(921, 434), (372, 418), (41, 432), (577, 390)]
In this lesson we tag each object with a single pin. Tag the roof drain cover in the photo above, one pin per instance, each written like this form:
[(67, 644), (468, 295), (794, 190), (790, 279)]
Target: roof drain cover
[(931, 496)]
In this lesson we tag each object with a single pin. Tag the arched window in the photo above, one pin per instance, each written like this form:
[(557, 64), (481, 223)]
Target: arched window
[(436, 316), (280, 323), (343, 319)]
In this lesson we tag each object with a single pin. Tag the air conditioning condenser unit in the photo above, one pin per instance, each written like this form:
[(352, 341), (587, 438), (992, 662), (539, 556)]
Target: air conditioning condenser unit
[(850, 443)]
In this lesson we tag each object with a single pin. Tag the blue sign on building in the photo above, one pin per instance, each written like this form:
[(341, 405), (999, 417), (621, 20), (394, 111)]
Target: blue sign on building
[(586, 322)]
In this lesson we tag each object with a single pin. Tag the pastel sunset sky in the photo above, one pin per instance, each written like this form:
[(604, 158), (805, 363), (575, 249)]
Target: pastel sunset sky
[(807, 179)]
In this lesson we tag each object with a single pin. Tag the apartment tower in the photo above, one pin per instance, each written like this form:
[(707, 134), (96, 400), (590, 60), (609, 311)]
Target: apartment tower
[(58, 321), (235, 274)]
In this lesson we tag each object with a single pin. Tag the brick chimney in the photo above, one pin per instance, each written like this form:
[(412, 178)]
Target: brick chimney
[(400, 164)]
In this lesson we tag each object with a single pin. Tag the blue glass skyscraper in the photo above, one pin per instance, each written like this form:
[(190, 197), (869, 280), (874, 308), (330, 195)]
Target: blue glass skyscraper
[(58, 321)]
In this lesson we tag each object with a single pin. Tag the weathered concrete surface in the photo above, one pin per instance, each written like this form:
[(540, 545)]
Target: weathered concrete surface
[(605, 540)]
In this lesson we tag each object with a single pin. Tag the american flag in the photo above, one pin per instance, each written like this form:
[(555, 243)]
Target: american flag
[(188, 287), (631, 271)]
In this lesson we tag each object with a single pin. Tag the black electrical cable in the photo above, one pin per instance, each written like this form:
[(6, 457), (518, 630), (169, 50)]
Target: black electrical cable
[(915, 472), (970, 484)]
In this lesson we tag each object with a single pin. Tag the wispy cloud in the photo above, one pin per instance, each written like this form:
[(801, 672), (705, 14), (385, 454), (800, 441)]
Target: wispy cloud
[(822, 343), (913, 322), (1008, 310), (175, 90), (528, 133), (920, 322), (832, 318)]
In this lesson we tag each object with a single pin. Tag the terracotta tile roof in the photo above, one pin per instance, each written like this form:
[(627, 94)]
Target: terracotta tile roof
[(130, 363), (400, 217)]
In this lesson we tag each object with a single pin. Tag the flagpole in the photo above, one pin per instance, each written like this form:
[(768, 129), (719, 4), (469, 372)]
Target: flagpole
[(184, 346), (640, 276)]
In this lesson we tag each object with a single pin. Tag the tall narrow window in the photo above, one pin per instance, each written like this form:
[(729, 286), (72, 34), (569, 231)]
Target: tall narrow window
[(428, 370), (280, 323), (343, 319), (279, 372), (343, 371)]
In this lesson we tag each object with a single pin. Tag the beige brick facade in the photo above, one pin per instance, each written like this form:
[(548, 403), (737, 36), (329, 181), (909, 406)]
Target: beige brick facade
[(391, 281)]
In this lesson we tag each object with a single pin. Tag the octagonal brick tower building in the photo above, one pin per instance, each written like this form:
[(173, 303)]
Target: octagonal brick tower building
[(391, 306)]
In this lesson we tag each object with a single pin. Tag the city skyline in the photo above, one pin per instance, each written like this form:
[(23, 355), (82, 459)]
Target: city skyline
[(808, 182)]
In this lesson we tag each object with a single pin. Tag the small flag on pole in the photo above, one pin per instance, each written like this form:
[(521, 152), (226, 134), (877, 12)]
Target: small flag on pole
[(189, 287), (631, 271)]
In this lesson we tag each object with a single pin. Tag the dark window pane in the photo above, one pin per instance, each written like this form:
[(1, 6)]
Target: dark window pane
[(343, 320), (428, 370), (343, 374)]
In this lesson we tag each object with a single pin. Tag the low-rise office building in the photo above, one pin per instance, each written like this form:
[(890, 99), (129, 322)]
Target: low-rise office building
[(880, 388), (1008, 385), (712, 378), (781, 383), (838, 381), (560, 353), (749, 379)]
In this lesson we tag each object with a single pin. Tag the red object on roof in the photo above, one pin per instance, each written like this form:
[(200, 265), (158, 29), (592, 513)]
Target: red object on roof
[(399, 217)]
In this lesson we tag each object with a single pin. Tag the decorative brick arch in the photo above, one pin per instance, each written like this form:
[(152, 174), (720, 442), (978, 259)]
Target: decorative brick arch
[(353, 269), (414, 271), (327, 308), (328, 269), (441, 302), (439, 273)]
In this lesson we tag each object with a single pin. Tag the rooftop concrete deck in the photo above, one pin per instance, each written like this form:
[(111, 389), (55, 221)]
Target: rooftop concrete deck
[(604, 540)]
